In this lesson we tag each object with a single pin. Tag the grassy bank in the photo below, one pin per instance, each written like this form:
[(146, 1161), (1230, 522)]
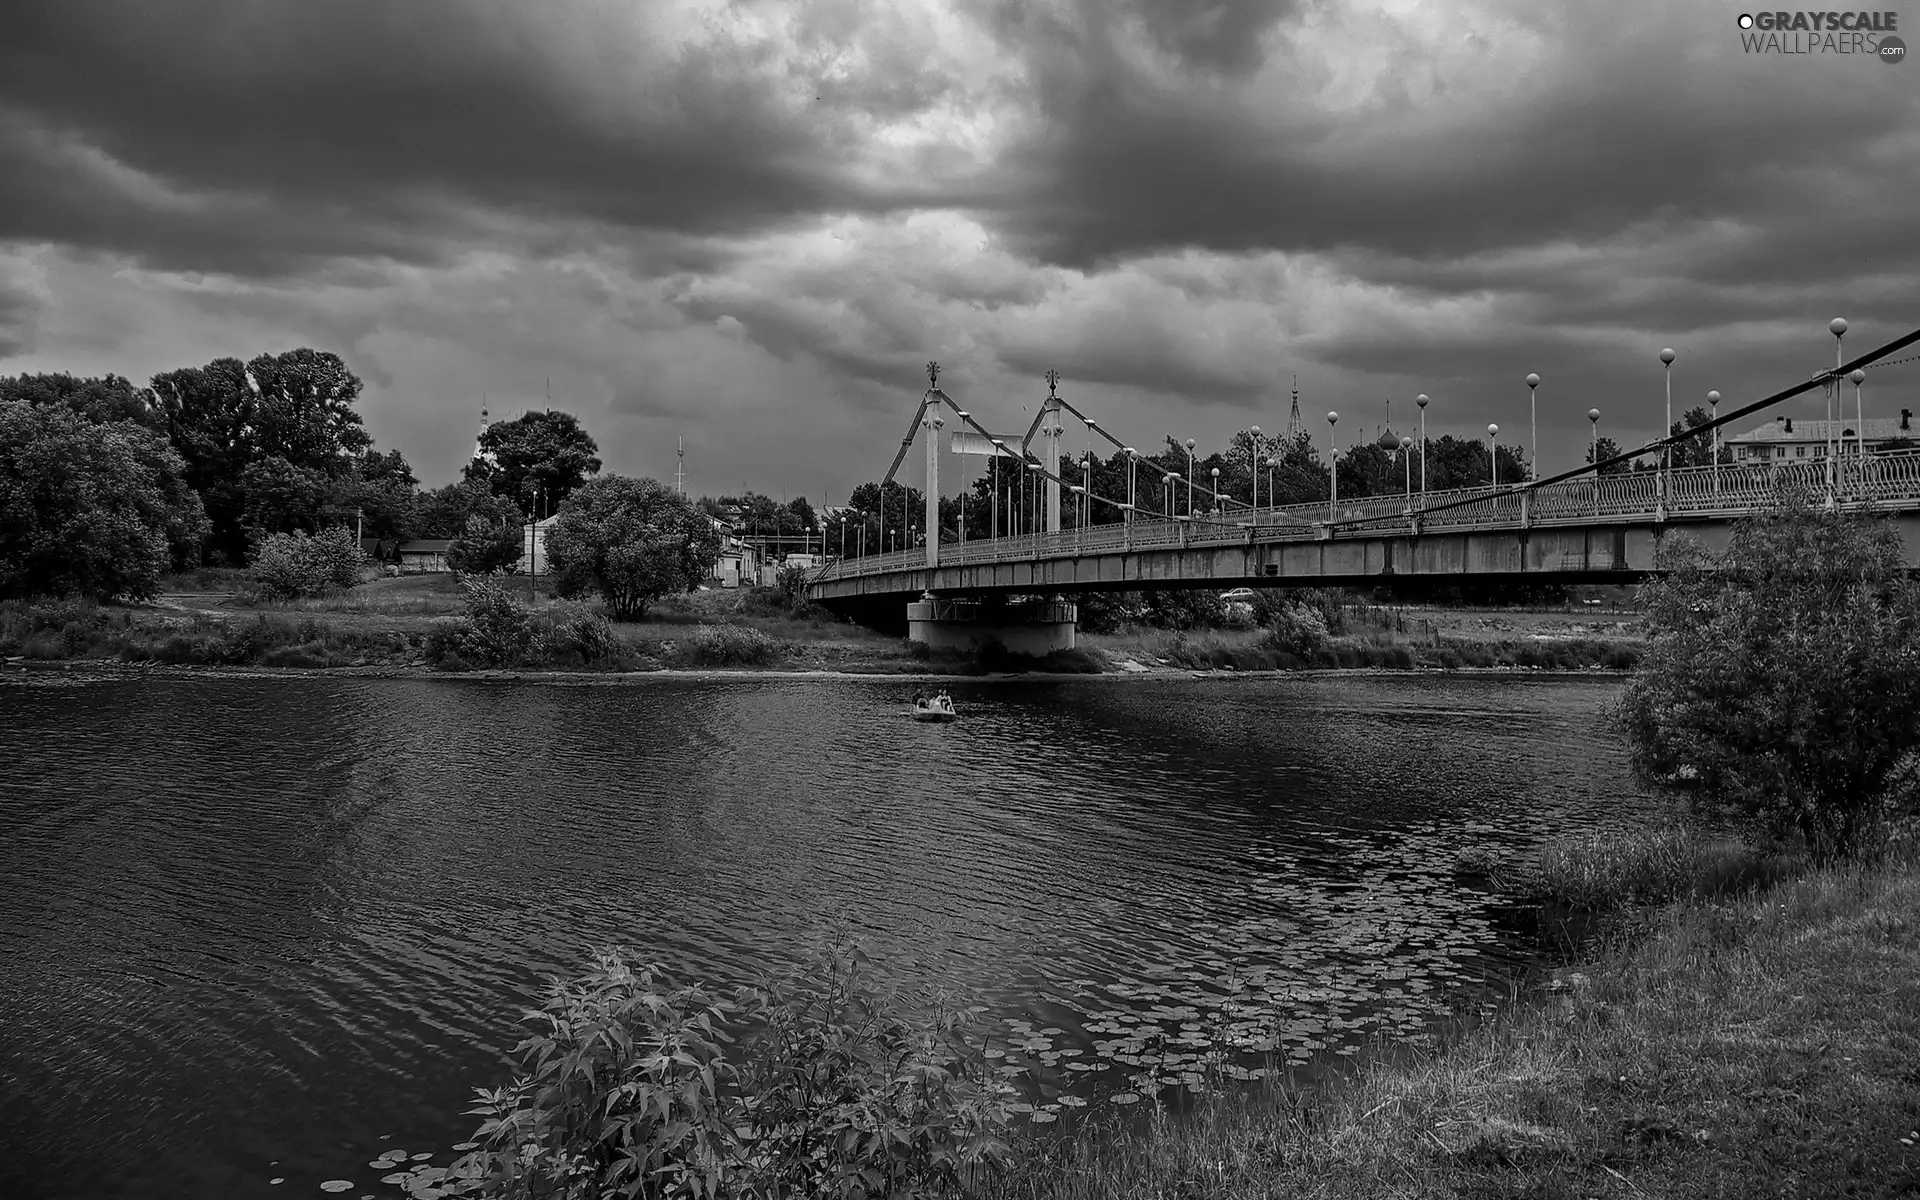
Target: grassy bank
[(1760, 1046), (1250, 650), (213, 618)]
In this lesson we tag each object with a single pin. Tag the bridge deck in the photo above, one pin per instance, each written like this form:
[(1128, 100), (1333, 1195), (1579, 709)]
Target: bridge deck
[(1889, 481)]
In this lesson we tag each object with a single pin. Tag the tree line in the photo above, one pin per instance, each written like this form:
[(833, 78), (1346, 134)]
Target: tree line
[(105, 485)]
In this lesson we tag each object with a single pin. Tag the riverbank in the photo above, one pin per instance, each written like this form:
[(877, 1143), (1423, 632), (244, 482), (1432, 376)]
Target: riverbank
[(1758, 1046), (388, 626)]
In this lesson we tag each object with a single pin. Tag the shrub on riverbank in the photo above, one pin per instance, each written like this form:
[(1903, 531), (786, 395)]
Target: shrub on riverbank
[(1260, 652), (290, 565), (1617, 868), (1784, 676), (725, 646), (639, 1084), (1728, 1054)]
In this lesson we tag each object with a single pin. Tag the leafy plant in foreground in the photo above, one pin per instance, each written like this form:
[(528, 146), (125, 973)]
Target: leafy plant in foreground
[(1783, 677), (638, 1085)]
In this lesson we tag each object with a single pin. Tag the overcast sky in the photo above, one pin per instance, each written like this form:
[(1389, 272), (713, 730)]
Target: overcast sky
[(751, 224)]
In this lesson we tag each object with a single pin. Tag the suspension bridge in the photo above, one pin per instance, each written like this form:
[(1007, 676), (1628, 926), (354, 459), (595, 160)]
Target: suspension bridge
[(1587, 524)]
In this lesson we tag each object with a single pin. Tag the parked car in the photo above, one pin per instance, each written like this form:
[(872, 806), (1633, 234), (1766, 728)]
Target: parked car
[(1241, 595)]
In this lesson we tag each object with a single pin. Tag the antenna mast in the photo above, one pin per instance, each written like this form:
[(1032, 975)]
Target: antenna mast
[(1293, 416), (679, 470)]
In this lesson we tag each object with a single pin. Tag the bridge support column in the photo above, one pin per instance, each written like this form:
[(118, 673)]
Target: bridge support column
[(970, 626)]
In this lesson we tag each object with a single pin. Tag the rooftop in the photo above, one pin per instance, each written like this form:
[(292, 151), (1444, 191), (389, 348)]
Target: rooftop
[(1789, 429)]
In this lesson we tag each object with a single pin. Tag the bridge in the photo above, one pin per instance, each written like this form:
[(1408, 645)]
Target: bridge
[(1582, 525)]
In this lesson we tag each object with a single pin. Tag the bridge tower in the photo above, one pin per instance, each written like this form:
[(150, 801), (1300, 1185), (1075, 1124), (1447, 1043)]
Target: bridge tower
[(1051, 428)]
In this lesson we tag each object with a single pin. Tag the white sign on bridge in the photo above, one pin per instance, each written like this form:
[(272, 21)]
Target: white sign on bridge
[(965, 441)]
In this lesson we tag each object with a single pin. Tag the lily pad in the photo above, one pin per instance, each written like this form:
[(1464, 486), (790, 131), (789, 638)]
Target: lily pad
[(336, 1185)]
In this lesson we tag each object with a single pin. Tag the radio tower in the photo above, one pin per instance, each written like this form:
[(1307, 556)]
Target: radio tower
[(680, 470), (1293, 417)]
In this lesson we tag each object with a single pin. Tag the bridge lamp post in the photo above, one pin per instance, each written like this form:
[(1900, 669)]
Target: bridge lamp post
[(1666, 431), (1713, 448), (1273, 467), (1032, 467), (1593, 418), (1837, 327), (1253, 461), (1406, 464), (1086, 490), (1533, 411), (1189, 477), (999, 448), (1493, 444), (1133, 463), (1333, 466), (1421, 400), (1166, 494), (1857, 378), (1079, 507)]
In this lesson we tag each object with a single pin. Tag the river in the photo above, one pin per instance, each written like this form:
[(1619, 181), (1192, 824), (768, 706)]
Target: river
[(261, 929)]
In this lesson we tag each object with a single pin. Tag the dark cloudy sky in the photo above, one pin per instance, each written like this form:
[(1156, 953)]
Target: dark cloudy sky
[(752, 223)]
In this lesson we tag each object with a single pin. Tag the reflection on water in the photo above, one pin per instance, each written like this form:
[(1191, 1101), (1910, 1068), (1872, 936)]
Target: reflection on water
[(273, 928)]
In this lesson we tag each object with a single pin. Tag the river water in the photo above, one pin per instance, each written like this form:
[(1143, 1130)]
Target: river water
[(260, 929)]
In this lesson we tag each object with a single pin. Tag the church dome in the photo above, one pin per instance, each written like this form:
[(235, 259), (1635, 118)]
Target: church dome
[(1388, 441)]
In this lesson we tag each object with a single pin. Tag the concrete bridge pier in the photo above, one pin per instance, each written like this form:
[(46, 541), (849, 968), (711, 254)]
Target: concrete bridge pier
[(1036, 627)]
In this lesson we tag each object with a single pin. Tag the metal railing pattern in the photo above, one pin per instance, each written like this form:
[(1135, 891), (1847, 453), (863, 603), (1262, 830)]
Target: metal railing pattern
[(1886, 480)]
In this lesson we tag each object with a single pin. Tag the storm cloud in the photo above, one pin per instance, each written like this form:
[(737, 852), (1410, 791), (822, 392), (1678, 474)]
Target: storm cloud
[(750, 224)]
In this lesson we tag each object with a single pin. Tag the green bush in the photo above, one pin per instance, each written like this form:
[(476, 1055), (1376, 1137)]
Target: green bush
[(290, 565), (499, 629), (726, 645), (485, 548), (1784, 677), (581, 634), (1611, 869), (638, 1084), (1297, 630)]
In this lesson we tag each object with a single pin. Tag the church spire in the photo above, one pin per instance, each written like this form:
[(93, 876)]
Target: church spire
[(1293, 417)]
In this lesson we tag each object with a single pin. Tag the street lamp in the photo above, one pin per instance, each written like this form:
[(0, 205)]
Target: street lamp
[(1859, 415), (1533, 410), (1593, 418), (1666, 447), (1189, 477), (1837, 327), (1216, 491), (1493, 440), (1421, 400), (1133, 475), (1713, 446), (1333, 466), (1406, 463), (999, 448), (1253, 461), (1273, 466), (1166, 494)]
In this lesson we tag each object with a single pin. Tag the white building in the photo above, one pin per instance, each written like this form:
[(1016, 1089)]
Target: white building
[(533, 547), (1790, 439)]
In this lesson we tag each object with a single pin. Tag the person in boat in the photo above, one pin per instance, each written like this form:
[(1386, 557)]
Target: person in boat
[(919, 699)]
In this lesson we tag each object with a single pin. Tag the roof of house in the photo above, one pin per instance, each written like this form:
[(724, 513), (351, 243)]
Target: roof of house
[(426, 546), (1819, 430)]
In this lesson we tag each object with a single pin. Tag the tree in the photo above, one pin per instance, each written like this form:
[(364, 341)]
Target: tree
[(229, 416), (443, 512), (1697, 450), (544, 450), (90, 509), (484, 547), (380, 496), (1785, 675), (1608, 449), (633, 540), (101, 401)]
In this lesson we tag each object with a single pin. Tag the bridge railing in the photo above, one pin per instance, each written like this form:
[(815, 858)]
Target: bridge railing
[(1892, 477)]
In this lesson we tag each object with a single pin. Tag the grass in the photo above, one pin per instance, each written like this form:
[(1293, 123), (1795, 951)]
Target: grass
[(1761, 1046), (1247, 650)]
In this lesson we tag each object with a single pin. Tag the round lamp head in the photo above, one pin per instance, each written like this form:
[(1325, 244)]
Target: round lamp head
[(1255, 431), (1421, 399), (1132, 453), (939, 422), (1216, 472), (1333, 418), (1837, 326), (1858, 377), (1406, 443), (1667, 357), (1593, 414), (1493, 431), (1533, 381), (999, 443), (1091, 423), (1189, 443), (1713, 397), (1274, 462)]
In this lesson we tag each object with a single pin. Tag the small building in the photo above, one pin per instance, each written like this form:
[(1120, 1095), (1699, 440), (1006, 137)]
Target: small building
[(424, 556), (1790, 439), (533, 547), (739, 562)]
